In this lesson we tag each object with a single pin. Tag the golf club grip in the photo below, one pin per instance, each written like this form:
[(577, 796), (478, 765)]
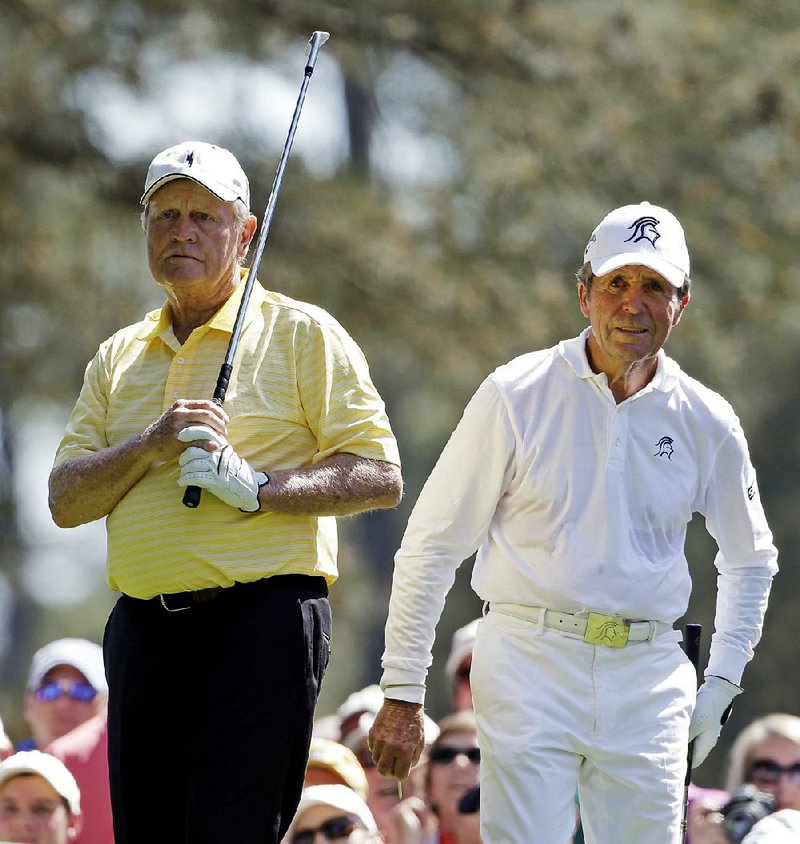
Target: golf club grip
[(191, 495)]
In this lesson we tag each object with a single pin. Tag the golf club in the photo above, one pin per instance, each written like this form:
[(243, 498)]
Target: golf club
[(191, 497), (691, 636)]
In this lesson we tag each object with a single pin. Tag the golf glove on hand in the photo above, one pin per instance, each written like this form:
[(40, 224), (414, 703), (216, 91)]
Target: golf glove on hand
[(221, 472), (711, 711)]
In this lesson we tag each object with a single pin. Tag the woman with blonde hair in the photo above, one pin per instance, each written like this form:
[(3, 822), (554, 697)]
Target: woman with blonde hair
[(767, 754)]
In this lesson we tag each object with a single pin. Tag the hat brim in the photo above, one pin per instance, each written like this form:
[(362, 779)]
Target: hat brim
[(216, 190), (674, 275)]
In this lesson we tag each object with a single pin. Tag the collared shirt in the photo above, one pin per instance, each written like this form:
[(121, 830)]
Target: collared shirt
[(300, 391), (577, 503)]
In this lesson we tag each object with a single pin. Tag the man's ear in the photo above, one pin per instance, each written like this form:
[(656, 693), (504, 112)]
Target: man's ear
[(681, 307), (583, 298)]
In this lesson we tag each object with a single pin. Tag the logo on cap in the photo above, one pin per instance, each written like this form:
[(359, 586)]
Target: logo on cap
[(190, 157), (644, 229)]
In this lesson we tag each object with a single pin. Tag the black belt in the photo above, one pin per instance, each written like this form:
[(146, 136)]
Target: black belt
[(178, 601)]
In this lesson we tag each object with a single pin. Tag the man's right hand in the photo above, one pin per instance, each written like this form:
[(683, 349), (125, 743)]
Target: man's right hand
[(397, 738), (162, 436)]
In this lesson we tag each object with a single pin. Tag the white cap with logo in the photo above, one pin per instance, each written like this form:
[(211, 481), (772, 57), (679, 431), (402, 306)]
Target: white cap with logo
[(48, 768), (639, 234), (213, 167)]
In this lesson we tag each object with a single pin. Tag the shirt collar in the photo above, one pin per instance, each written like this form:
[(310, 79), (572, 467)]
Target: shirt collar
[(573, 351), (157, 322)]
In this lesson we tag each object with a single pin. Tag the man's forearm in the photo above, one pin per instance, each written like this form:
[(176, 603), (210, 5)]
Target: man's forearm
[(340, 485), (90, 486)]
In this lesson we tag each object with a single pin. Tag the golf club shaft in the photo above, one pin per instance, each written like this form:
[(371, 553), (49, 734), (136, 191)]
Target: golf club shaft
[(691, 637), (191, 496)]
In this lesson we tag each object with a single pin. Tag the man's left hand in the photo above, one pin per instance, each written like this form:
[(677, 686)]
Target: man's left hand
[(711, 710), (220, 470)]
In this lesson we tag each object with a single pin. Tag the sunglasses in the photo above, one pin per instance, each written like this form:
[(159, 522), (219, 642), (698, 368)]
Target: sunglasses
[(81, 692), (767, 772), (335, 828), (445, 755)]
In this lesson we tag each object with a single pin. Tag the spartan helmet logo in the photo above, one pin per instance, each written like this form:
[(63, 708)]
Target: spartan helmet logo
[(664, 448), (644, 229)]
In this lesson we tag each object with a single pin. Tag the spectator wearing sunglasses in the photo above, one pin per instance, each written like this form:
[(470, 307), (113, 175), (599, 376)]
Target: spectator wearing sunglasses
[(767, 754), (66, 687), (453, 767), (332, 813)]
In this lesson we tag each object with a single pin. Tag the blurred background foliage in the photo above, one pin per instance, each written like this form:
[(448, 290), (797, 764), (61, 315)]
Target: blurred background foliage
[(455, 158)]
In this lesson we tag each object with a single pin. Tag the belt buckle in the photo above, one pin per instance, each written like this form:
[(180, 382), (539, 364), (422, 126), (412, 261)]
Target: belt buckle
[(610, 631), (173, 609)]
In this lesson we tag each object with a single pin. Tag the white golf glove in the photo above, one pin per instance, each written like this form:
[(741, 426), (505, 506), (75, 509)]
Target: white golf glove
[(711, 711), (221, 472)]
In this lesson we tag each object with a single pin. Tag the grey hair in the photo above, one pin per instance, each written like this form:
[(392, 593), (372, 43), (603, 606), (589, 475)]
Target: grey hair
[(584, 275), (741, 756)]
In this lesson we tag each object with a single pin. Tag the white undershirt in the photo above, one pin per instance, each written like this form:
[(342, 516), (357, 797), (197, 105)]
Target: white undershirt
[(577, 503)]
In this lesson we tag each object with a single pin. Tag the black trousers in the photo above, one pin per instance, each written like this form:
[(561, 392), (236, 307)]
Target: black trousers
[(210, 711)]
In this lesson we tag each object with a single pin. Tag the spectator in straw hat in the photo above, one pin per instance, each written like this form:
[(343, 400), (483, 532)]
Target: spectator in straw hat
[(331, 763)]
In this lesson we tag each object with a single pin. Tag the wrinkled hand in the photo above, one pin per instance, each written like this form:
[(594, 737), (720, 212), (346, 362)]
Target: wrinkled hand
[(219, 469), (711, 711), (397, 738)]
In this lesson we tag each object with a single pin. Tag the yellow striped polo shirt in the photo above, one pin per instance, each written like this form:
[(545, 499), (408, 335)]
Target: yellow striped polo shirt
[(300, 391)]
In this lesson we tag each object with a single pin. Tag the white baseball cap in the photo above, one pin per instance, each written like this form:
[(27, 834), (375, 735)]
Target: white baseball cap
[(639, 234), (213, 167), (338, 797), (82, 654), (48, 768), (463, 642)]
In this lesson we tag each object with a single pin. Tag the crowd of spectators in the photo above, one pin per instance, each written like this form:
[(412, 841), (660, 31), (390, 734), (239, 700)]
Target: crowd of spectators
[(54, 782)]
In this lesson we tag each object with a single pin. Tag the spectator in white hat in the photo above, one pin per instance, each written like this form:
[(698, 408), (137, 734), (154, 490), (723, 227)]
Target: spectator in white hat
[(458, 666), (336, 813), (39, 800), (66, 687)]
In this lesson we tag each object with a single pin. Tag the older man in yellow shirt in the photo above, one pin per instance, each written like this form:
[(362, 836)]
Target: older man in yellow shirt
[(217, 646)]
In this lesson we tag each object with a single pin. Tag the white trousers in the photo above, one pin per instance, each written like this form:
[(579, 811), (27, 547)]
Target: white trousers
[(556, 714)]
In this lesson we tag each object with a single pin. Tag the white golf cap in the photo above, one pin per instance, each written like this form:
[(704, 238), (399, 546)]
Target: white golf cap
[(213, 167), (639, 234), (82, 654), (338, 797), (463, 642), (48, 768)]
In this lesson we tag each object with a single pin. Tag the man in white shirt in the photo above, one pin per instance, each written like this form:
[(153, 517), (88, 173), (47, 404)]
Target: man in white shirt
[(574, 472)]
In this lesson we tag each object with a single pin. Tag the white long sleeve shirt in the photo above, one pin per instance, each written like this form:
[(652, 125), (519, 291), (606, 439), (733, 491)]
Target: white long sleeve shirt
[(576, 503)]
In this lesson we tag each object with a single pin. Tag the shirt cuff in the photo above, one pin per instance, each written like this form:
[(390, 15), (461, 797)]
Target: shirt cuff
[(408, 693)]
